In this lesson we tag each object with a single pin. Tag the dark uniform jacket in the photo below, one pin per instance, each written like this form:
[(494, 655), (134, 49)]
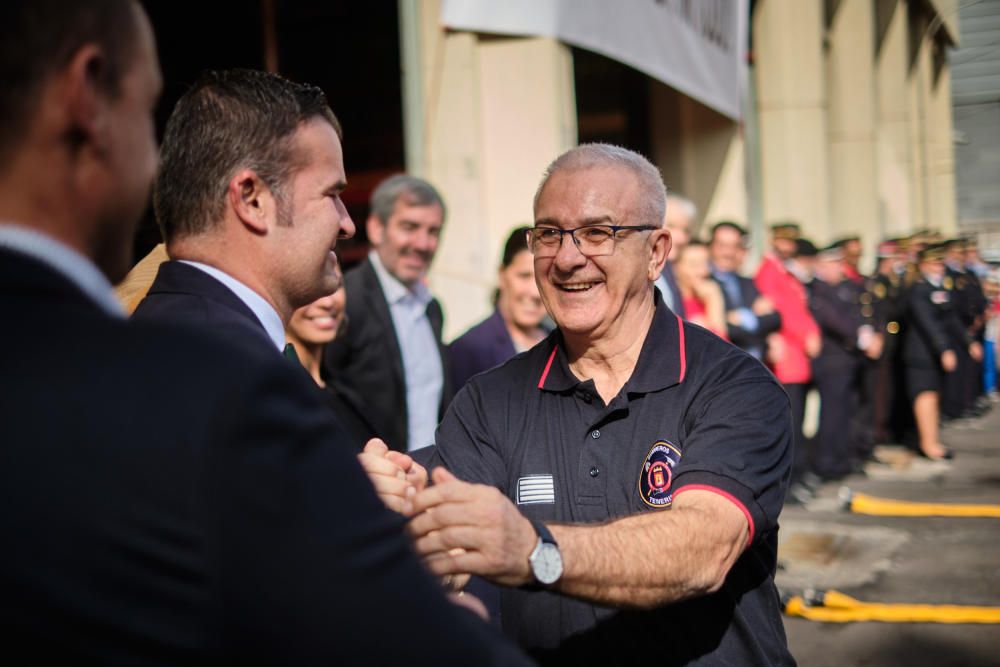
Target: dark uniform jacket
[(697, 413), (173, 497), (366, 365), (837, 310), (933, 326), (889, 303)]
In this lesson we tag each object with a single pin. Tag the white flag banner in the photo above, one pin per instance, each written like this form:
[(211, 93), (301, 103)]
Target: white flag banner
[(695, 46)]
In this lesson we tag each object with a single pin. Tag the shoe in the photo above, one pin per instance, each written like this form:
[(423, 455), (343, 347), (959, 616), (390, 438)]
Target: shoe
[(798, 494), (811, 481), (948, 455)]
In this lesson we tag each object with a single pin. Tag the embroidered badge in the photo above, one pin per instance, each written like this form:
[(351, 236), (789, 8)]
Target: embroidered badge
[(657, 474), (536, 490)]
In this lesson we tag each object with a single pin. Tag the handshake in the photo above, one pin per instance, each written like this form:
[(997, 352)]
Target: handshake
[(458, 529)]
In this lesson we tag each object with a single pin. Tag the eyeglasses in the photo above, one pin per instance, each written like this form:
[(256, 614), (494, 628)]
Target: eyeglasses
[(592, 240)]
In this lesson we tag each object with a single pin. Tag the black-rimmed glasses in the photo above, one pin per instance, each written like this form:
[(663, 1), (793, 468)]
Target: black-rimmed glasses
[(591, 240)]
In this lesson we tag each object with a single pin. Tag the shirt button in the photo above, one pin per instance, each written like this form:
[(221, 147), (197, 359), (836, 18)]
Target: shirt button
[(595, 434), (595, 471)]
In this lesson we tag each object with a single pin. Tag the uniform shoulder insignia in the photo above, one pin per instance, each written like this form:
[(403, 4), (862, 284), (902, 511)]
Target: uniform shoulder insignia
[(960, 283), (948, 283)]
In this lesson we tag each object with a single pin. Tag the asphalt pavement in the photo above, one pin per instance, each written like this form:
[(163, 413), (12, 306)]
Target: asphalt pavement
[(927, 560)]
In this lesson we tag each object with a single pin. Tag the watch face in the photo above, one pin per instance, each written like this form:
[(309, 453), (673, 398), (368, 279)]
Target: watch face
[(547, 564)]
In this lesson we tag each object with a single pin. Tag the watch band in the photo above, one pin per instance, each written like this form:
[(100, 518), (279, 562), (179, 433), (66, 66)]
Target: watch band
[(544, 532)]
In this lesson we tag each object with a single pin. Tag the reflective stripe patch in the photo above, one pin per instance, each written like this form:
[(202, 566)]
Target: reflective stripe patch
[(536, 489)]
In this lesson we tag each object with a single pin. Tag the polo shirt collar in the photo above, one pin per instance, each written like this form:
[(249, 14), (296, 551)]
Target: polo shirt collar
[(662, 360), (394, 290)]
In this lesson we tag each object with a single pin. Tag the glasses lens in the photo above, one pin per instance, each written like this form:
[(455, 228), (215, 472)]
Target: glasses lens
[(596, 240), (544, 240)]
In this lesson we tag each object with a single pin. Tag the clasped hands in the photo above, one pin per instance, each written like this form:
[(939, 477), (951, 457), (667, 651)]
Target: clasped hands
[(458, 528)]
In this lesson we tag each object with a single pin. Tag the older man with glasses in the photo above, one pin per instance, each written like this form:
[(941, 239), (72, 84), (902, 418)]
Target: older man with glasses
[(555, 471)]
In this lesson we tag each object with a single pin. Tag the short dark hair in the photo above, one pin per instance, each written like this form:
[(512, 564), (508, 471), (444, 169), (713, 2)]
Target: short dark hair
[(727, 224), (38, 37), (516, 243), (415, 191), (229, 120)]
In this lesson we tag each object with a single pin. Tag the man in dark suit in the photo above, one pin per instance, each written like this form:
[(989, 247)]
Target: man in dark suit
[(847, 339), (171, 497), (678, 220), (750, 318), (391, 364)]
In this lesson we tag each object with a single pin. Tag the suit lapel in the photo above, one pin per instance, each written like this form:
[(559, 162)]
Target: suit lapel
[(379, 308)]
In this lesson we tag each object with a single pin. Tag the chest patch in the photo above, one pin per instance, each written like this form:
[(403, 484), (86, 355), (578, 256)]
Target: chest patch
[(657, 474), (536, 490)]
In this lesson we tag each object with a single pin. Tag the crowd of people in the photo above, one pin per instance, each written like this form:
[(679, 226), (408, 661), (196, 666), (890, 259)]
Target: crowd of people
[(892, 355), (272, 461)]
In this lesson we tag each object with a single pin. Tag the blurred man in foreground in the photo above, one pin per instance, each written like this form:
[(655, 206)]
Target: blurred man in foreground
[(172, 497)]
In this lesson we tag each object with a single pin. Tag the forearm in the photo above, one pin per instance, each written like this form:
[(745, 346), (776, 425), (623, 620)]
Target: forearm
[(652, 559)]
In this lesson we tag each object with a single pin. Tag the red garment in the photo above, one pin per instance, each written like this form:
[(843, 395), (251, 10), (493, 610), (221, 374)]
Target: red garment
[(853, 274), (694, 311), (789, 298)]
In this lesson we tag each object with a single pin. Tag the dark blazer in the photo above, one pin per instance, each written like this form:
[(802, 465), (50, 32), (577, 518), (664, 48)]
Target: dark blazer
[(675, 291), (366, 365), (186, 294), (482, 347), (932, 327), (766, 324), (838, 314), (172, 497)]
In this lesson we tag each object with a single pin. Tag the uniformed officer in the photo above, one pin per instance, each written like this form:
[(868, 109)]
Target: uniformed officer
[(629, 469), (847, 338), (886, 288), (929, 347)]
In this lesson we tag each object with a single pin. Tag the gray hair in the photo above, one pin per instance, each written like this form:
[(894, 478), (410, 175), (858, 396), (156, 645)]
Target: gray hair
[(686, 206), (414, 191), (652, 203)]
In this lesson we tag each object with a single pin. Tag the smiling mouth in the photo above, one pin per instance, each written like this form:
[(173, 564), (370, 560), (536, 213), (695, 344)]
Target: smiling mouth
[(576, 287)]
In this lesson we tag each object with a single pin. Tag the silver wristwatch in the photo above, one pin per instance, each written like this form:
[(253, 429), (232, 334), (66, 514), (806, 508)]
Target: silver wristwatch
[(546, 560)]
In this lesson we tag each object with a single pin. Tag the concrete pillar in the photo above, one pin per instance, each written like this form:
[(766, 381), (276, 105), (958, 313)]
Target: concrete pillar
[(700, 152), (895, 177), (918, 97), (492, 112), (791, 101), (850, 70), (943, 212)]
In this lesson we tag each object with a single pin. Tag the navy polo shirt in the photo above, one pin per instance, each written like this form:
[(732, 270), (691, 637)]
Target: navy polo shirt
[(697, 413)]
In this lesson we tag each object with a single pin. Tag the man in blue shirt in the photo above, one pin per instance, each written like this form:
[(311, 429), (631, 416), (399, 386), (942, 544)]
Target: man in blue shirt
[(391, 365)]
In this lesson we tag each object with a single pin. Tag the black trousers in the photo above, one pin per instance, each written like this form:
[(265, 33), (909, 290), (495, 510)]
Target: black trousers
[(835, 439), (800, 452)]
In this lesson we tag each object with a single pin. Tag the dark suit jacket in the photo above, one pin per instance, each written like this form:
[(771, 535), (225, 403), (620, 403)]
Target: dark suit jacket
[(184, 293), (933, 326), (366, 365), (766, 324), (482, 347), (174, 497), (838, 315), (675, 291)]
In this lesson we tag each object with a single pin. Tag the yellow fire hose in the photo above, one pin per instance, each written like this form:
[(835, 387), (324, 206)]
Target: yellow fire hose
[(860, 503), (835, 607)]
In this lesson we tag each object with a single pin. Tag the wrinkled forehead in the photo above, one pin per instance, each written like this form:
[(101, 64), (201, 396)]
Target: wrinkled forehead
[(577, 196)]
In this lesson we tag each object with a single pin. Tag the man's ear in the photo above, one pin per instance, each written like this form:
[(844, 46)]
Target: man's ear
[(86, 105), (660, 242), (376, 230), (252, 201)]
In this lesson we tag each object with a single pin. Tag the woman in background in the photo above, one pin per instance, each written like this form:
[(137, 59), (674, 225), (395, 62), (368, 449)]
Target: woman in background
[(309, 329), (514, 326), (703, 300)]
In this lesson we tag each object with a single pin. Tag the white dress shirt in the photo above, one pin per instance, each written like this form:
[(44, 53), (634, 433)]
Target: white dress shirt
[(57, 255), (422, 368)]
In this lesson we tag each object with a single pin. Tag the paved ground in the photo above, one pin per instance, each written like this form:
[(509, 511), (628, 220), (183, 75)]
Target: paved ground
[(918, 560)]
